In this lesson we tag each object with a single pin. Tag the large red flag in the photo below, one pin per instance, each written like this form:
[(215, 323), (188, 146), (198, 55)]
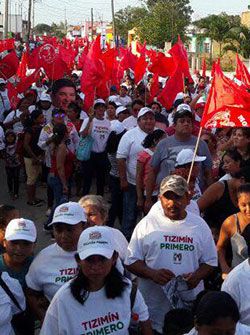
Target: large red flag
[(173, 86), (9, 65), (228, 105), (164, 66), (242, 73), (140, 69), (23, 65)]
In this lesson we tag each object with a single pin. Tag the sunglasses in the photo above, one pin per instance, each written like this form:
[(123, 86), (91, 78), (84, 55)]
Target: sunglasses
[(59, 115)]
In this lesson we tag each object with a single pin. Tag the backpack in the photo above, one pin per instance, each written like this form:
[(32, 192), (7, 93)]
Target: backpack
[(83, 150)]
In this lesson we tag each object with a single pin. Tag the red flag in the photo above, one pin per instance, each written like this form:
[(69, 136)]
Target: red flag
[(154, 88), (128, 60), (7, 44), (9, 65), (228, 105), (213, 69), (141, 49), (23, 65), (204, 67), (242, 73), (173, 86), (13, 95), (140, 69), (164, 66), (26, 82)]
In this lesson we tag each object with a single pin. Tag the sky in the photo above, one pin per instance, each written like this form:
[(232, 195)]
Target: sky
[(77, 11)]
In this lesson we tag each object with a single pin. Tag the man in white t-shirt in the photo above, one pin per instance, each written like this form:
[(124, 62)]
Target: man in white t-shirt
[(237, 283), (129, 147), (123, 98), (168, 243), (56, 264)]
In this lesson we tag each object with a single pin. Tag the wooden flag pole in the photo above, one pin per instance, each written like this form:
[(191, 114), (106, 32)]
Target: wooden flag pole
[(195, 153)]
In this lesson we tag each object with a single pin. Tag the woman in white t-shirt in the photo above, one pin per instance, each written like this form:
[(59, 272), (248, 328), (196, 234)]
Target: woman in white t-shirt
[(98, 300), (98, 127)]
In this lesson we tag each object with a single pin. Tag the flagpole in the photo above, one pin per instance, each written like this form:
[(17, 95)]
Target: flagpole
[(195, 153)]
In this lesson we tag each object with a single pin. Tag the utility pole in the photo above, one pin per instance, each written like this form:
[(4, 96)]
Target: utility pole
[(65, 20), (6, 19), (113, 21), (33, 14), (29, 20), (92, 25)]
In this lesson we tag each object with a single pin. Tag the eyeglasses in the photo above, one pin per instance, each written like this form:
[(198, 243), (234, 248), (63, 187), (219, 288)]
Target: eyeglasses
[(59, 115)]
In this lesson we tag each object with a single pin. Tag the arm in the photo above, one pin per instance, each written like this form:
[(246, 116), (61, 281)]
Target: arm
[(160, 276), (195, 277), (208, 177), (224, 239), (139, 184), (60, 160), (38, 303), (213, 193), (122, 168)]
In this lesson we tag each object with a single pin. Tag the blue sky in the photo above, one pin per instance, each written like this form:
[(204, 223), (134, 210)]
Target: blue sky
[(77, 11)]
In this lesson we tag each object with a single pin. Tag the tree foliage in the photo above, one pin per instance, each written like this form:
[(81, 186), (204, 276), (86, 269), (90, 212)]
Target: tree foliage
[(238, 41), (218, 27), (42, 28), (129, 18)]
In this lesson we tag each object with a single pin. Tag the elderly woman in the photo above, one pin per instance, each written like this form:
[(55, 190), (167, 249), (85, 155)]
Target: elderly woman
[(96, 210)]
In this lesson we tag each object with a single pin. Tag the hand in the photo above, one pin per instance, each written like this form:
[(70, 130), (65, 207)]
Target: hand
[(192, 279), (124, 185), (147, 205), (162, 276)]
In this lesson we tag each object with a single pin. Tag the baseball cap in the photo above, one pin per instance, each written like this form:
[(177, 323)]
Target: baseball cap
[(97, 240), (45, 97), (120, 109), (143, 111), (99, 102), (70, 213), (184, 107), (175, 184), (124, 86), (21, 229), (2, 81), (185, 156)]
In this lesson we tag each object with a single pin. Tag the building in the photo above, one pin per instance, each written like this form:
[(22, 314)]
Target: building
[(16, 26)]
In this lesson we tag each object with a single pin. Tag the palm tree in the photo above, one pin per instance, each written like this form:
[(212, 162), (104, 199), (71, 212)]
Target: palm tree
[(238, 41)]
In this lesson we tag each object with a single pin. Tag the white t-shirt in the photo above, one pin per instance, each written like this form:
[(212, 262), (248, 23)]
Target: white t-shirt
[(130, 122), (100, 133), (237, 284), (129, 147), (240, 330), (18, 126), (179, 246), (47, 113), (98, 315), (125, 101), (50, 269), (7, 306), (2, 144)]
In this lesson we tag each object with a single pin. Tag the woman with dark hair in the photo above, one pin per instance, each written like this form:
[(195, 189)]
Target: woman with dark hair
[(111, 111), (241, 141), (62, 160), (232, 231), (231, 163), (99, 297), (216, 314), (33, 155)]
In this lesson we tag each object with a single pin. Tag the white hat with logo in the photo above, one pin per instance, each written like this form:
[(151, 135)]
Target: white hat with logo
[(143, 111), (120, 109), (70, 213), (21, 229), (97, 240), (185, 156)]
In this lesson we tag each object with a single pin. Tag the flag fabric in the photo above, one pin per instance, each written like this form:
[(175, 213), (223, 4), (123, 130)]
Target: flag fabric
[(228, 105), (23, 66), (9, 65), (154, 88), (27, 81), (7, 44), (242, 73), (140, 69), (12, 95), (164, 66)]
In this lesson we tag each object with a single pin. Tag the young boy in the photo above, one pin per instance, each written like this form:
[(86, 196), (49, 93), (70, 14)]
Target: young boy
[(19, 244)]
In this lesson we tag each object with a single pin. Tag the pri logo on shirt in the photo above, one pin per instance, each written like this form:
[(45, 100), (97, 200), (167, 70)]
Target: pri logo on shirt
[(177, 258), (95, 235)]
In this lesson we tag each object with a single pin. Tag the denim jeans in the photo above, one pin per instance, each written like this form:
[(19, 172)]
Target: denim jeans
[(129, 211), (115, 210)]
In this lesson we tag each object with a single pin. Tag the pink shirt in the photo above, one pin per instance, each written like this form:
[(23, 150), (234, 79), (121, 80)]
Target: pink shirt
[(144, 157)]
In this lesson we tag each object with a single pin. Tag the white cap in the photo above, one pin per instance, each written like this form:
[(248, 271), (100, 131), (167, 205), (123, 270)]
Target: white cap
[(185, 156), (99, 101), (120, 110), (21, 229), (45, 97), (97, 240), (183, 107), (31, 108), (113, 98), (69, 213), (117, 127), (82, 95), (3, 81), (124, 86), (143, 111)]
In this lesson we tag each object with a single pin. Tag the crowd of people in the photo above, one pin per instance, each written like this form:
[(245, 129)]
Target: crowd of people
[(159, 241)]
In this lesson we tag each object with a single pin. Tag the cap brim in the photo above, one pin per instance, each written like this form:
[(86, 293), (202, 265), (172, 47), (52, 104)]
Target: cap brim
[(108, 253), (200, 158), (180, 194), (65, 221), (17, 237)]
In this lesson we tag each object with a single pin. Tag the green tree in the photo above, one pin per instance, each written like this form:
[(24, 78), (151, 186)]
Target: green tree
[(42, 28), (218, 27), (129, 18), (238, 41), (164, 21)]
